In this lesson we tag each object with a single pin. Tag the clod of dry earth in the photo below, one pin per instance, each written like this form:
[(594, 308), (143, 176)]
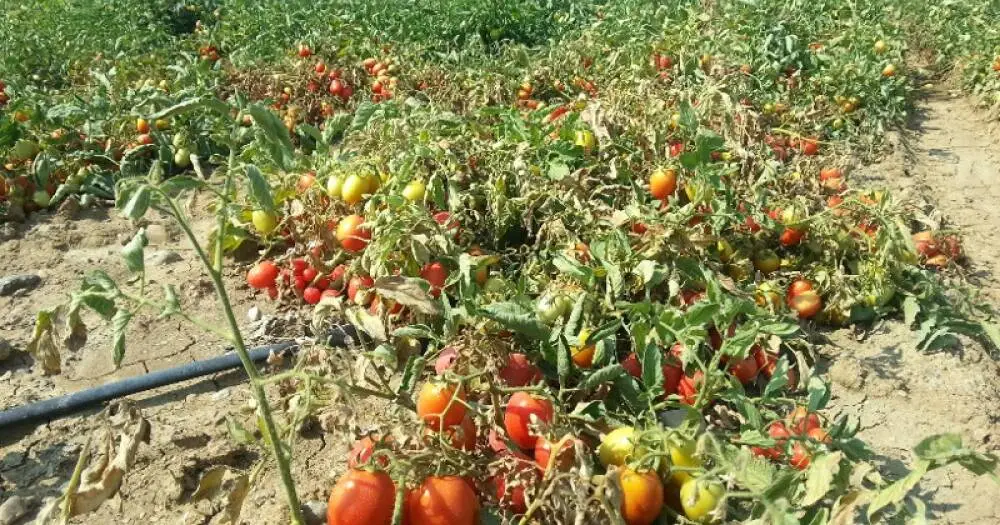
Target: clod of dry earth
[(948, 157)]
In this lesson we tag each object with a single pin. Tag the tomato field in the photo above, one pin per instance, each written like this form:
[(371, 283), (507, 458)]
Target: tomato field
[(592, 255)]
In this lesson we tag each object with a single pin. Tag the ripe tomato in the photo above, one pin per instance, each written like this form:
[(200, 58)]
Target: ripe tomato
[(519, 371), (353, 189), (642, 496), (889, 70), (818, 434), (312, 295), (436, 408), (510, 492), (142, 126), (263, 275), (801, 421), (144, 139), (779, 433), (925, 243), (688, 387), (518, 416), (359, 283), (632, 366), (810, 146), (830, 173), (672, 375), (617, 446), (309, 274), (745, 370), (436, 274), (564, 458), (798, 286), (676, 148), (352, 234), (807, 304), (441, 500), (800, 456), (791, 236), (583, 356), (699, 498), (304, 51), (362, 497), (662, 183)]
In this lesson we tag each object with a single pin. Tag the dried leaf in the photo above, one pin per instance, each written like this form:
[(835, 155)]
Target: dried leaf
[(226, 489), (407, 292)]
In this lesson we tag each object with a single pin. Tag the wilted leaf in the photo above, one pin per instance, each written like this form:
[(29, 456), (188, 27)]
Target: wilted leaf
[(226, 489), (408, 292), (239, 433), (367, 323), (138, 202), (119, 324), (517, 319), (895, 493), (260, 190), (133, 252), (42, 345)]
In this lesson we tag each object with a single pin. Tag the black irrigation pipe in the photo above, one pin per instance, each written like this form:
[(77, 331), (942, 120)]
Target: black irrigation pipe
[(54, 408)]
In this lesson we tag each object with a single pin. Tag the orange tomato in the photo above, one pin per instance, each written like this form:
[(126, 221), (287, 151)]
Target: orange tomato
[(436, 408), (352, 234), (462, 436), (642, 496), (564, 457), (662, 183)]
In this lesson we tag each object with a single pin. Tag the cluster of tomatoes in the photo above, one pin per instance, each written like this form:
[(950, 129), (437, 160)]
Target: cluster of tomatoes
[(383, 71), (662, 63), (4, 98), (795, 439), (782, 147), (209, 53)]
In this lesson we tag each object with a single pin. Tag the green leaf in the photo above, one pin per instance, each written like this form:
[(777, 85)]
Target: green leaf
[(415, 331), (171, 301), (564, 361), (138, 203), (558, 171), (652, 369), (701, 313), (335, 127), (591, 411), (411, 373), (779, 379), (100, 280), (894, 493), (260, 190), (910, 310), (819, 394), (119, 324), (992, 331), (572, 328), (517, 319), (608, 374), (181, 107), (689, 119), (819, 478), (362, 116), (134, 252), (179, 183), (275, 134), (239, 434), (571, 267)]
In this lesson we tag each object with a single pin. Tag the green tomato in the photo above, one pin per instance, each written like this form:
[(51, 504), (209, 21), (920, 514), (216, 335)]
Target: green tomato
[(414, 191), (495, 284), (586, 140), (334, 186), (182, 157), (699, 498), (617, 446), (264, 221), (551, 307), (683, 455), (41, 198)]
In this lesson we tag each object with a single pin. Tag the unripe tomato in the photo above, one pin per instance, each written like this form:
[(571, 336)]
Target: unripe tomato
[(352, 234), (362, 497), (889, 70), (880, 47), (551, 307), (663, 183), (161, 124), (585, 139), (264, 221), (41, 198), (519, 371), (182, 157), (617, 446), (263, 275), (334, 186), (766, 261), (642, 496), (414, 191), (435, 405), (583, 356), (683, 455), (518, 416), (142, 126), (353, 189), (699, 498), (441, 500)]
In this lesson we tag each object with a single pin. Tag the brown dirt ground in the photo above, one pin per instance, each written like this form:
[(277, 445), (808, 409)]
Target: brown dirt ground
[(898, 394)]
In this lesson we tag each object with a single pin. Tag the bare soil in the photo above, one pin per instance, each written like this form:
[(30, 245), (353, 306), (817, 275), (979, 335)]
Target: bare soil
[(899, 394)]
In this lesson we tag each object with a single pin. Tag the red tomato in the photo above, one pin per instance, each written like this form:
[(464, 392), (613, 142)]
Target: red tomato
[(510, 494), (642, 496), (517, 417), (304, 51), (639, 228), (441, 405), (564, 458), (672, 375), (830, 173), (436, 274), (357, 284), (299, 266), (336, 87), (461, 436), (791, 236), (797, 287), (779, 433), (519, 371), (801, 421), (352, 234), (632, 366), (687, 387), (745, 370), (309, 274), (272, 292), (676, 148), (311, 294), (800, 456), (263, 275), (441, 500), (144, 139), (306, 181), (444, 219), (810, 146), (362, 497), (363, 450)]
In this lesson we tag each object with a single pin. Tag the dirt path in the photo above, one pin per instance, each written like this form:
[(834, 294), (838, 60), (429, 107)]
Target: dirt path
[(948, 157)]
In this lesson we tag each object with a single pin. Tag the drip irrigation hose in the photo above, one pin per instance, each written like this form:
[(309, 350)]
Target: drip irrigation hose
[(54, 408)]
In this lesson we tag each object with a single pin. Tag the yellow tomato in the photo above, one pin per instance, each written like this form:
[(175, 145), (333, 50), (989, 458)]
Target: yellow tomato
[(334, 186), (353, 189), (683, 456), (586, 140), (699, 498), (414, 191), (766, 261), (617, 446)]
